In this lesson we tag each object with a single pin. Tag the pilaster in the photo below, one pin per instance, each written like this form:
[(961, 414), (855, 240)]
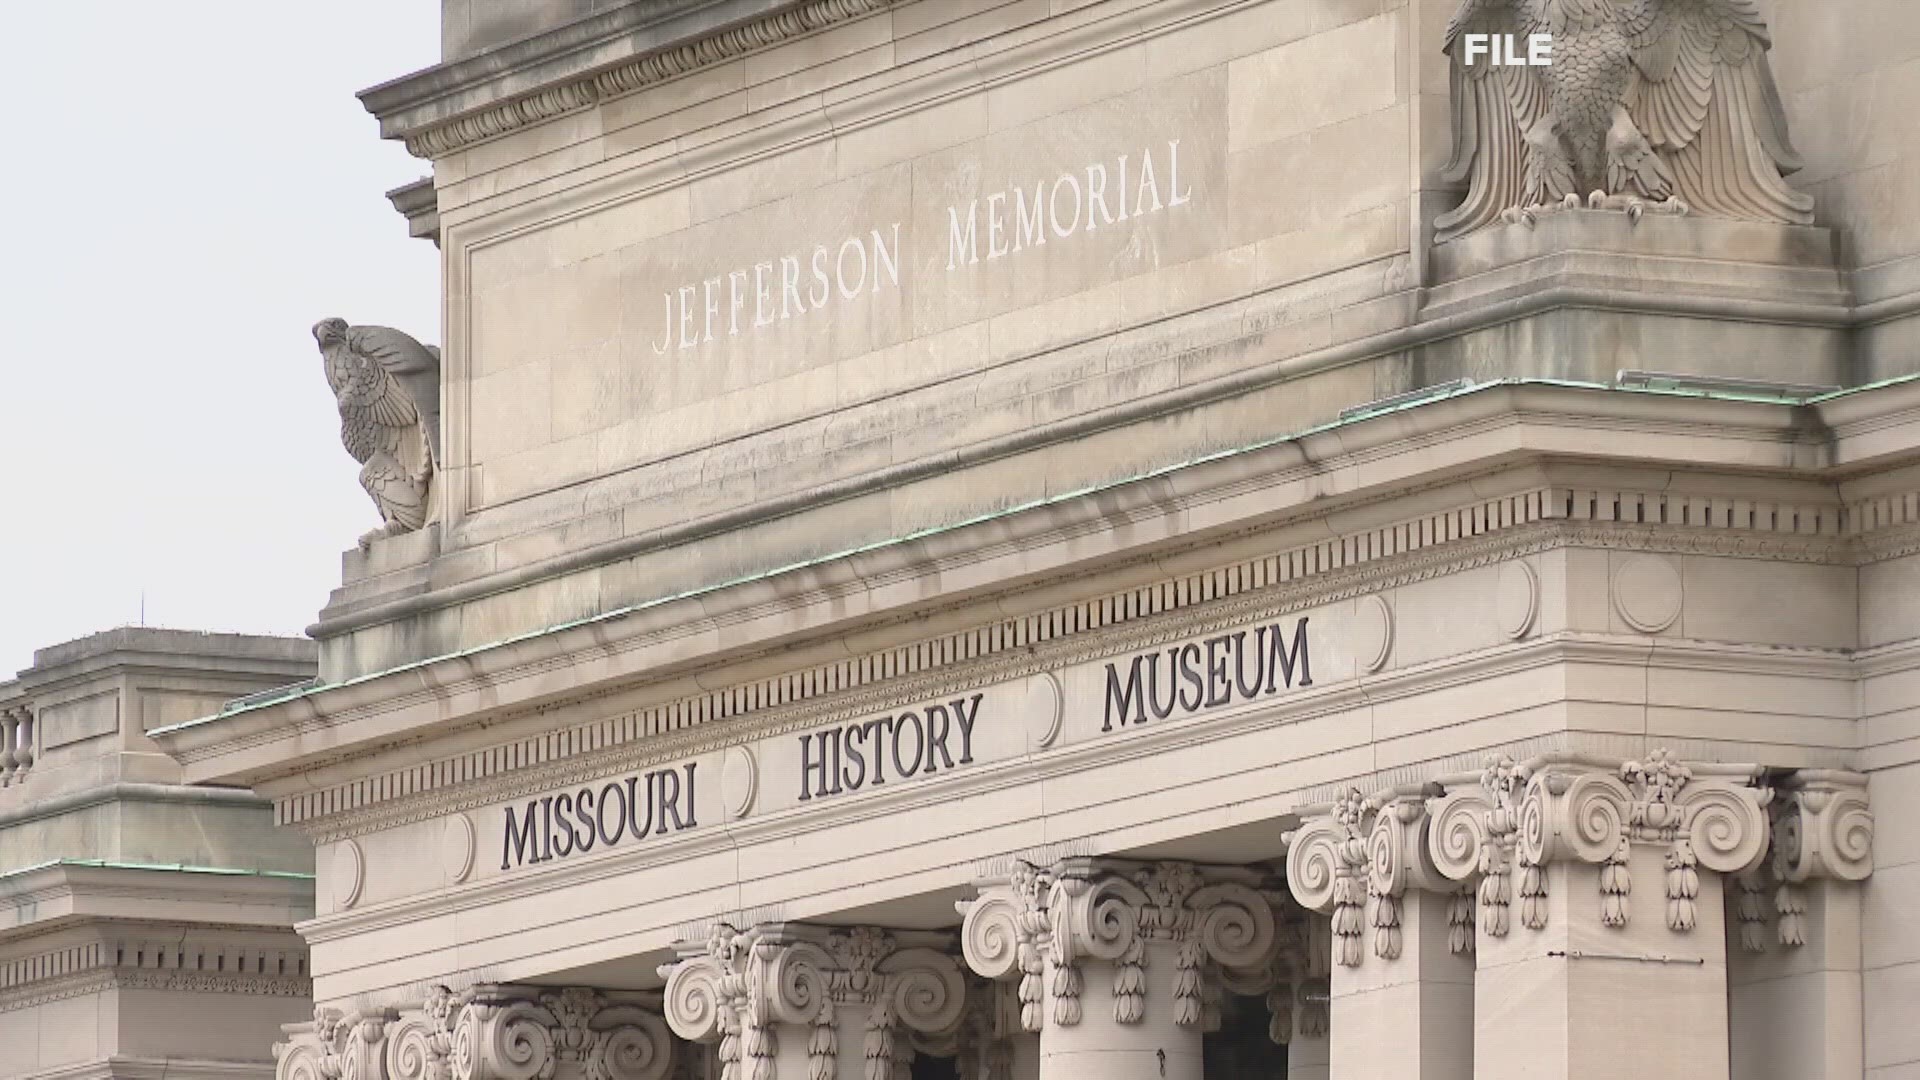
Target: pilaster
[(1794, 959), (1402, 981), (1599, 887)]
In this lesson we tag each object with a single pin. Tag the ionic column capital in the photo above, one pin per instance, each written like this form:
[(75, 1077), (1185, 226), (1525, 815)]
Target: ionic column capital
[(1580, 808), (1822, 827), (1005, 935), (335, 1045), (733, 988), (1112, 910), (523, 1032), (1822, 830)]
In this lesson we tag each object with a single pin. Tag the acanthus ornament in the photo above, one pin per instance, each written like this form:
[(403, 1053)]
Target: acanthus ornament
[(1822, 828)]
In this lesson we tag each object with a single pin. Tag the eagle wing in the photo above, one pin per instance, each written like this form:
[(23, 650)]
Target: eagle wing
[(1493, 108), (374, 410), (413, 366), (1703, 94)]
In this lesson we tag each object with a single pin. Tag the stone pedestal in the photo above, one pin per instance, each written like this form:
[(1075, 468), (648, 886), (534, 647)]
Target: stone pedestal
[(1599, 900)]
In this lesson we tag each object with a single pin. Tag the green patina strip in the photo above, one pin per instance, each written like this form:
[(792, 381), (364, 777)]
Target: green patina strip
[(172, 868)]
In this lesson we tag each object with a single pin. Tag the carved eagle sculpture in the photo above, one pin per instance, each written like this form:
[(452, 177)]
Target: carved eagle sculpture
[(1648, 106), (388, 388)]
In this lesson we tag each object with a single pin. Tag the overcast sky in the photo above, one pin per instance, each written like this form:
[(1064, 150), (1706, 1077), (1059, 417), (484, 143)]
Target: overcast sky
[(187, 187)]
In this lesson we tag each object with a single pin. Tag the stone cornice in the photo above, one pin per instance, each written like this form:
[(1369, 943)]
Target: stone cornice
[(198, 959), (444, 108), (1806, 522), (37, 898)]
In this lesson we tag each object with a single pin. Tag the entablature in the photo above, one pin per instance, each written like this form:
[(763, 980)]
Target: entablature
[(1487, 477)]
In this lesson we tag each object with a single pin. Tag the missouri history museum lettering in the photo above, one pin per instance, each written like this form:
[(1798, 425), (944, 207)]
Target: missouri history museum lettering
[(910, 743)]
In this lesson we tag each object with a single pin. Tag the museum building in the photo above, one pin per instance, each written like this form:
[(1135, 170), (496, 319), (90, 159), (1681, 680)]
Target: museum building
[(1121, 540)]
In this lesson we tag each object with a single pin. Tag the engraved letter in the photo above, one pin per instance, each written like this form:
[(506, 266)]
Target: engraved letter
[(1029, 231), (1280, 664), (790, 287), (761, 315), (514, 852), (890, 260), (666, 336), (840, 267), (735, 279), (996, 225), (1176, 197), (967, 712), (1097, 195), (1122, 699), (819, 298), (963, 248)]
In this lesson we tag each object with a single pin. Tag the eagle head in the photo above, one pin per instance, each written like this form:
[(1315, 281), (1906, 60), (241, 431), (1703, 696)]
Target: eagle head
[(330, 331)]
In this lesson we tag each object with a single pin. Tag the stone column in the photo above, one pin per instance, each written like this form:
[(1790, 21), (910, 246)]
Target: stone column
[(488, 1032), (9, 733), (1599, 887), (1794, 955), (1114, 959), (27, 739), (793, 1002), (1402, 980)]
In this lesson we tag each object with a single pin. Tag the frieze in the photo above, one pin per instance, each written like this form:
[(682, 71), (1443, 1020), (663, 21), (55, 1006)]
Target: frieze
[(1390, 556)]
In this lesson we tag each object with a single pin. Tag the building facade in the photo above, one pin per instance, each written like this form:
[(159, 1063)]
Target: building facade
[(146, 926), (1127, 539)]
